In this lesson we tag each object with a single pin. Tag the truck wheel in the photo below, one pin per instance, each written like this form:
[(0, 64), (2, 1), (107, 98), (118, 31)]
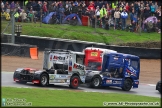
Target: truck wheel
[(127, 85), (44, 80), (74, 82), (96, 81)]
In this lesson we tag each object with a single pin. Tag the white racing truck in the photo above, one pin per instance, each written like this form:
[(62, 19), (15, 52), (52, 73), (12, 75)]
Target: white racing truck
[(59, 67)]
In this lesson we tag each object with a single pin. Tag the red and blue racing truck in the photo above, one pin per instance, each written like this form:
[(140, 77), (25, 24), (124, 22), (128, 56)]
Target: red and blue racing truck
[(112, 69)]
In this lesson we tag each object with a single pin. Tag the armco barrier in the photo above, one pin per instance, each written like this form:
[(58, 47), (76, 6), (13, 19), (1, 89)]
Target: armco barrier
[(22, 50), (53, 43)]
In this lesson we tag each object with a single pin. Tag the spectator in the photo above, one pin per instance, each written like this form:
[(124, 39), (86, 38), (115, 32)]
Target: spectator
[(30, 16), (6, 5), (103, 14), (152, 9), (158, 26), (91, 7), (80, 10), (61, 13), (156, 6), (23, 16), (124, 16), (127, 7), (2, 6), (136, 7), (117, 17), (51, 7), (12, 7), (75, 8), (97, 12), (147, 12), (67, 11), (45, 9), (16, 16), (17, 5), (132, 15)]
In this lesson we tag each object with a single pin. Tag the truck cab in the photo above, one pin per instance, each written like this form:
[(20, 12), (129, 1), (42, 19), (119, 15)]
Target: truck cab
[(94, 57), (118, 69), (64, 66)]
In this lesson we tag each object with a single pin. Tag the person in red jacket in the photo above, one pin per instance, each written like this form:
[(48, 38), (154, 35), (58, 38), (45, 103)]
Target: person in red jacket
[(45, 9), (91, 7)]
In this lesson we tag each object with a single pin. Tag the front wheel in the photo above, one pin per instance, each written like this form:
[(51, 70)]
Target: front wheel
[(96, 82), (127, 85), (44, 80), (74, 82)]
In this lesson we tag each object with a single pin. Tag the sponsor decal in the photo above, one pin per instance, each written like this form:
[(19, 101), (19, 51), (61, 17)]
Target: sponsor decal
[(108, 81), (116, 82), (115, 58), (94, 53), (62, 76), (78, 66), (59, 58)]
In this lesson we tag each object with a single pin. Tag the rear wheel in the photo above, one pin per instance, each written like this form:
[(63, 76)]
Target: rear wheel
[(127, 85), (96, 82), (44, 80), (74, 83)]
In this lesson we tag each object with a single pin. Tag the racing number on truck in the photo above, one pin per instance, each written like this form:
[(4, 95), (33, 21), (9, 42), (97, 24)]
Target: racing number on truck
[(94, 53)]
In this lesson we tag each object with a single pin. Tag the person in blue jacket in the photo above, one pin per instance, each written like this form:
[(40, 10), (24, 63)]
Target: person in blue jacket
[(124, 16)]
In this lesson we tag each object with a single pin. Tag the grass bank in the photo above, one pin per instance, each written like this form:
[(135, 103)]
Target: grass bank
[(83, 33), (46, 97)]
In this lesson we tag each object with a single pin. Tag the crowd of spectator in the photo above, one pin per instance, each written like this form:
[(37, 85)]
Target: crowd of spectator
[(102, 13)]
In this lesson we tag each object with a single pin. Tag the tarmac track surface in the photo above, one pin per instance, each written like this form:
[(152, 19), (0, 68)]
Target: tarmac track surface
[(144, 89)]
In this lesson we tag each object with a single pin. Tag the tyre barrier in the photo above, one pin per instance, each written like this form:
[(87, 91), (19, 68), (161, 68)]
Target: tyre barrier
[(74, 45), (21, 50)]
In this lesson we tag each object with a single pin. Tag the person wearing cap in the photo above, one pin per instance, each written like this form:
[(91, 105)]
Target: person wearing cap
[(124, 16)]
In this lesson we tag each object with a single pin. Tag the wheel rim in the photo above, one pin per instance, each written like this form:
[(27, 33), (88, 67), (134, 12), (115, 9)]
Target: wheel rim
[(44, 80), (75, 82), (96, 82)]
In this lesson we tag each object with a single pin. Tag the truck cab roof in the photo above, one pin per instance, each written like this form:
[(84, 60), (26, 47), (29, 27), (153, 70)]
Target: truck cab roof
[(124, 55)]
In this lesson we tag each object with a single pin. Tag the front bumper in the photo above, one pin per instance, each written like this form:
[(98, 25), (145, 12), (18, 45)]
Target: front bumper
[(158, 86), (26, 77)]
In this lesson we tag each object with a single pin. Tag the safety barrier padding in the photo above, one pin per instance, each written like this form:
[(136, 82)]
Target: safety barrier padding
[(53, 43), (21, 50)]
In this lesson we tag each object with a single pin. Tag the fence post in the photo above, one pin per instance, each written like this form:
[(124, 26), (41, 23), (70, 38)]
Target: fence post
[(13, 28)]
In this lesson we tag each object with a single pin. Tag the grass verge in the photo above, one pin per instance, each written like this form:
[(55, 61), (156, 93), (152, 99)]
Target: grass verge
[(83, 33), (46, 97)]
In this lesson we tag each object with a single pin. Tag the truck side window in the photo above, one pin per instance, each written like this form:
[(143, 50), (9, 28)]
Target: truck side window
[(134, 64), (80, 59)]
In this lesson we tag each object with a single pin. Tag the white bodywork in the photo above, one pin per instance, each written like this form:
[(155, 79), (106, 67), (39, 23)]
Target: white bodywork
[(64, 58)]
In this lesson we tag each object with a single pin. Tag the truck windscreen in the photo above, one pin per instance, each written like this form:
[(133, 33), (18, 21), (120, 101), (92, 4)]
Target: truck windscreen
[(93, 66)]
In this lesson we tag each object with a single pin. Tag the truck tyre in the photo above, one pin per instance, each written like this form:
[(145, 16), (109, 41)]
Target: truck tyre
[(43, 80), (96, 82), (127, 84), (74, 82)]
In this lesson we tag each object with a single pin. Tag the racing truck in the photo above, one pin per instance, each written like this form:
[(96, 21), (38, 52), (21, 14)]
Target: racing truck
[(59, 67), (118, 69)]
